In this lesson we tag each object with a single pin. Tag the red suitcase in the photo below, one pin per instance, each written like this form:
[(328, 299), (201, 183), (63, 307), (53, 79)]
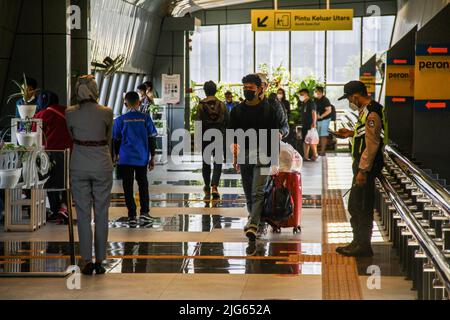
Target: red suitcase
[(294, 184)]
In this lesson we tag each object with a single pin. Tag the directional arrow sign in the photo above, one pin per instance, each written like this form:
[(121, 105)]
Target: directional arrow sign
[(398, 100), (262, 22), (399, 61), (436, 105), (435, 50)]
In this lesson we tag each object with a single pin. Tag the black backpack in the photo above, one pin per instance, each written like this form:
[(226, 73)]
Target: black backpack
[(278, 201), (333, 113), (213, 113)]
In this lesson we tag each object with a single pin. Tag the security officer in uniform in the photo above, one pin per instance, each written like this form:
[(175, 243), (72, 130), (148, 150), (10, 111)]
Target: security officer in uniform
[(368, 141)]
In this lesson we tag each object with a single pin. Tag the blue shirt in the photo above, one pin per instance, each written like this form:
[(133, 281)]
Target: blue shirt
[(230, 105), (133, 129)]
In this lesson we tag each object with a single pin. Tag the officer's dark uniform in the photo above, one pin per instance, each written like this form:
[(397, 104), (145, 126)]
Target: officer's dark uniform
[(368, 141), (368, 157)]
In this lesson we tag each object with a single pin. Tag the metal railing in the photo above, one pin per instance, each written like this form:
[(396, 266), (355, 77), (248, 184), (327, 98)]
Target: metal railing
[(431, 250), (440, 196), (403, 184)]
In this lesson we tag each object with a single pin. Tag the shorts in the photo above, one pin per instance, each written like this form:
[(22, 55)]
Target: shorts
[(322, 127)]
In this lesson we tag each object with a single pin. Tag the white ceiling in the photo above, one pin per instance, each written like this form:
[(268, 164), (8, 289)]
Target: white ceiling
[(186, 6)]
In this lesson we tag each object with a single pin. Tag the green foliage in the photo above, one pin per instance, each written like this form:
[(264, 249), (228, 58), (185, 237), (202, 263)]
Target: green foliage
[(279, 77), (197, 90), (24, 93)]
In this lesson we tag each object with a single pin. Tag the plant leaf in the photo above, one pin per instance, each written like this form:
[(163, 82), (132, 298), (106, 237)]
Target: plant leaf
[(13, 96)]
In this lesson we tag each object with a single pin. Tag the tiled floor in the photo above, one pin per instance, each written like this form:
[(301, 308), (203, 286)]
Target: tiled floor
[(196, 251)]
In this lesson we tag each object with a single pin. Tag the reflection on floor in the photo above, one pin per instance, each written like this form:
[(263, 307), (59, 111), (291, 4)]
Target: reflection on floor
[(172, 257), (196, 249)]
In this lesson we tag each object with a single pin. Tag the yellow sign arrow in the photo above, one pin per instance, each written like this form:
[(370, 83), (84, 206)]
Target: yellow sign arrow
[(302, 20)]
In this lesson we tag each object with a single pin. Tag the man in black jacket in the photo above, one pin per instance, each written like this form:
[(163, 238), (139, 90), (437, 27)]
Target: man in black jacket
[(255, 115)]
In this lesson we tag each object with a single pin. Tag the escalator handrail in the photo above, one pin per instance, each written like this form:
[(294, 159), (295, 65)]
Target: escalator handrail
[(439, 195), (427, 244)]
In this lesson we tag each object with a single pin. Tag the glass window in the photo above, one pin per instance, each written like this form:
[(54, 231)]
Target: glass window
[(308, 52), (272, 48), (344, 54), (204, 58), (377, 33), (334, 93), (236, 52)]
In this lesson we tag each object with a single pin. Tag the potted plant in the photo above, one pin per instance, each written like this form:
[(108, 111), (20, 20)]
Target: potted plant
[(26, 137), (26, 110), (159, 127), (154, 110), (11, 159)]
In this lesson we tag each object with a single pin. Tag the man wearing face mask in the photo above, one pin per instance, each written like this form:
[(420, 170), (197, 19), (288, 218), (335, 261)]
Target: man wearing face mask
[(367, 165), (255, 113), (275, 103)]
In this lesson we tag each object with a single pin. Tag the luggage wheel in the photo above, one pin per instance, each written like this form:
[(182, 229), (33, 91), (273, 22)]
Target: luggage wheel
[(276, 230), (298, 230)]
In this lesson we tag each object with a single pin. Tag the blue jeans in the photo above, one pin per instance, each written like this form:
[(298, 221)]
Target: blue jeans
[(254, 182)]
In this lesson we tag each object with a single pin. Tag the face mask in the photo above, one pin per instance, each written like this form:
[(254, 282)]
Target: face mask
[(249, 95), (302, 98)]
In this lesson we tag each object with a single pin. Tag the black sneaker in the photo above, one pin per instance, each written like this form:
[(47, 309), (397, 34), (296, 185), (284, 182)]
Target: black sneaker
[(251, 232), (99, 269), (88, 269), (132, 222), (215, 193), (146, 218)]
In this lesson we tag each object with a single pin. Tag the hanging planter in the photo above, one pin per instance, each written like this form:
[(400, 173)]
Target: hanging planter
[(27, 111), (11, 159), (10, 178), (27, 139)]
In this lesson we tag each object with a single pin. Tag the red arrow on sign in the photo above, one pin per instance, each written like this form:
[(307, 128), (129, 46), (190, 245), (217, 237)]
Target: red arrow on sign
[(367, 74), (436, 105), (432, 50), (398, 99), (398, 61)]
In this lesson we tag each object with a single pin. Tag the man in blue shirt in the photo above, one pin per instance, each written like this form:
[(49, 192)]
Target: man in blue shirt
[(134, 137), (229, 103)]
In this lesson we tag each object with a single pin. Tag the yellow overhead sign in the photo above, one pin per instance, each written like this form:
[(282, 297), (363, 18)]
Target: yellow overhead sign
[(400, 81), (302, 20), (432, 78)]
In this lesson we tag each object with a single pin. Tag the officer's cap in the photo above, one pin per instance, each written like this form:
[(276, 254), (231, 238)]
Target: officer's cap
[(353, 87)]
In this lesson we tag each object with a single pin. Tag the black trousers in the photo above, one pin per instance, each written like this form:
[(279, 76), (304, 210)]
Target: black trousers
[(129, 173), (361, 206), (206, 169), (56, 199)]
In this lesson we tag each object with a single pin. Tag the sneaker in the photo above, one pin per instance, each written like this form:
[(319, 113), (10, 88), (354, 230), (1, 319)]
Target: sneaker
[(88, 269), (262, 230), (146, 218), (207, 192), (215, 193), (99, 269), (53, 217), (251, 232), (64, 215), (132, 222)]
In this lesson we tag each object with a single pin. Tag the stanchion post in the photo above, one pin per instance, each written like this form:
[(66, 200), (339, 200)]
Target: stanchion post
[(70, 209)]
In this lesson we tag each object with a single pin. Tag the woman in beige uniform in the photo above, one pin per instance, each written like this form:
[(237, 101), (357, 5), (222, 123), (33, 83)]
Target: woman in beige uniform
[(91, 170)]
